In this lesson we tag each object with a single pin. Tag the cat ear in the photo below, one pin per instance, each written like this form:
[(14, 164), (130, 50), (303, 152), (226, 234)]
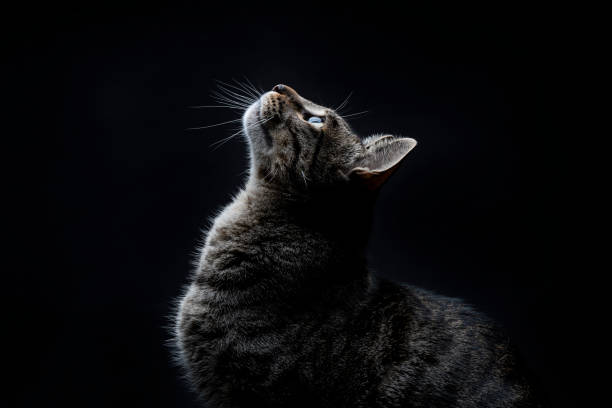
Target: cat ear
[(382, 157)]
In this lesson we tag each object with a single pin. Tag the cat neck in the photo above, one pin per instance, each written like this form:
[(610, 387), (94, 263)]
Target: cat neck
[(316, 242), (340, 213)]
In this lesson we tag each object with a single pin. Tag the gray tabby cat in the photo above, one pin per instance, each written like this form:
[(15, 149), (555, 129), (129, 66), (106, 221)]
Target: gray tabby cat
[(282, 310)]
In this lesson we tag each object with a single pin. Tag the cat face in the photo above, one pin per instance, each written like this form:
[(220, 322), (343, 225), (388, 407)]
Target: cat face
[(298, 144)]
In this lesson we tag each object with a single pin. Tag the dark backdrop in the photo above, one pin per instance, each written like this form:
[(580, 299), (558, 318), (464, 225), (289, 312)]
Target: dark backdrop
[(113, 191)]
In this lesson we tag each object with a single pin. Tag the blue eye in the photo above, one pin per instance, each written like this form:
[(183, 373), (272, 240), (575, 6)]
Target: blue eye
[(315, 119)]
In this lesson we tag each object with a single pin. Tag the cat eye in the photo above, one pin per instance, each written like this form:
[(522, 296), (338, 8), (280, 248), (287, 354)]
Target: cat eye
[(315, 119)]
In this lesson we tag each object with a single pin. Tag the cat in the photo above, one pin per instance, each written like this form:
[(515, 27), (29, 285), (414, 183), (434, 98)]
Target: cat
[(282, 310)]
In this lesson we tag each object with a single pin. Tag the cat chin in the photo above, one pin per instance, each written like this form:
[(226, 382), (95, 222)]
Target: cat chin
[(257, 136), (250, 116)]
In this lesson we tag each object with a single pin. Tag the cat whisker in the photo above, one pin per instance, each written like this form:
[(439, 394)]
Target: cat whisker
[(248, 90), (247, 93), (232, 95), (230, 102), (221, 142), (215, 125), (253, 87), (343, 104), (239, 97), (354, 114), (229, 99), (212, 106)]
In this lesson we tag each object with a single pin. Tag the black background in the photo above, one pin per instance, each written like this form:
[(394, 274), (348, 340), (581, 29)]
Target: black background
[(113, 192)]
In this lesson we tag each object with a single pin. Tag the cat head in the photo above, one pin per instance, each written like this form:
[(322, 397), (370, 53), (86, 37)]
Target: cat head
[(298, 145)]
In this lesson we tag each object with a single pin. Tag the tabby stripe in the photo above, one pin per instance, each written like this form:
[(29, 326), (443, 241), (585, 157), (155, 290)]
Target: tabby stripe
[(296, 148), (316, 153)]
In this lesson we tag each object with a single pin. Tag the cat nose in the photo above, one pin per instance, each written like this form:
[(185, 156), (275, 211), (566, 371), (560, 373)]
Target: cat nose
[(287, 91)]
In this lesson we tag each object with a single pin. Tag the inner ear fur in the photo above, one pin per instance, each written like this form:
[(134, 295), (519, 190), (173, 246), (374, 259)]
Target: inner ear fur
[(382, 157)]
